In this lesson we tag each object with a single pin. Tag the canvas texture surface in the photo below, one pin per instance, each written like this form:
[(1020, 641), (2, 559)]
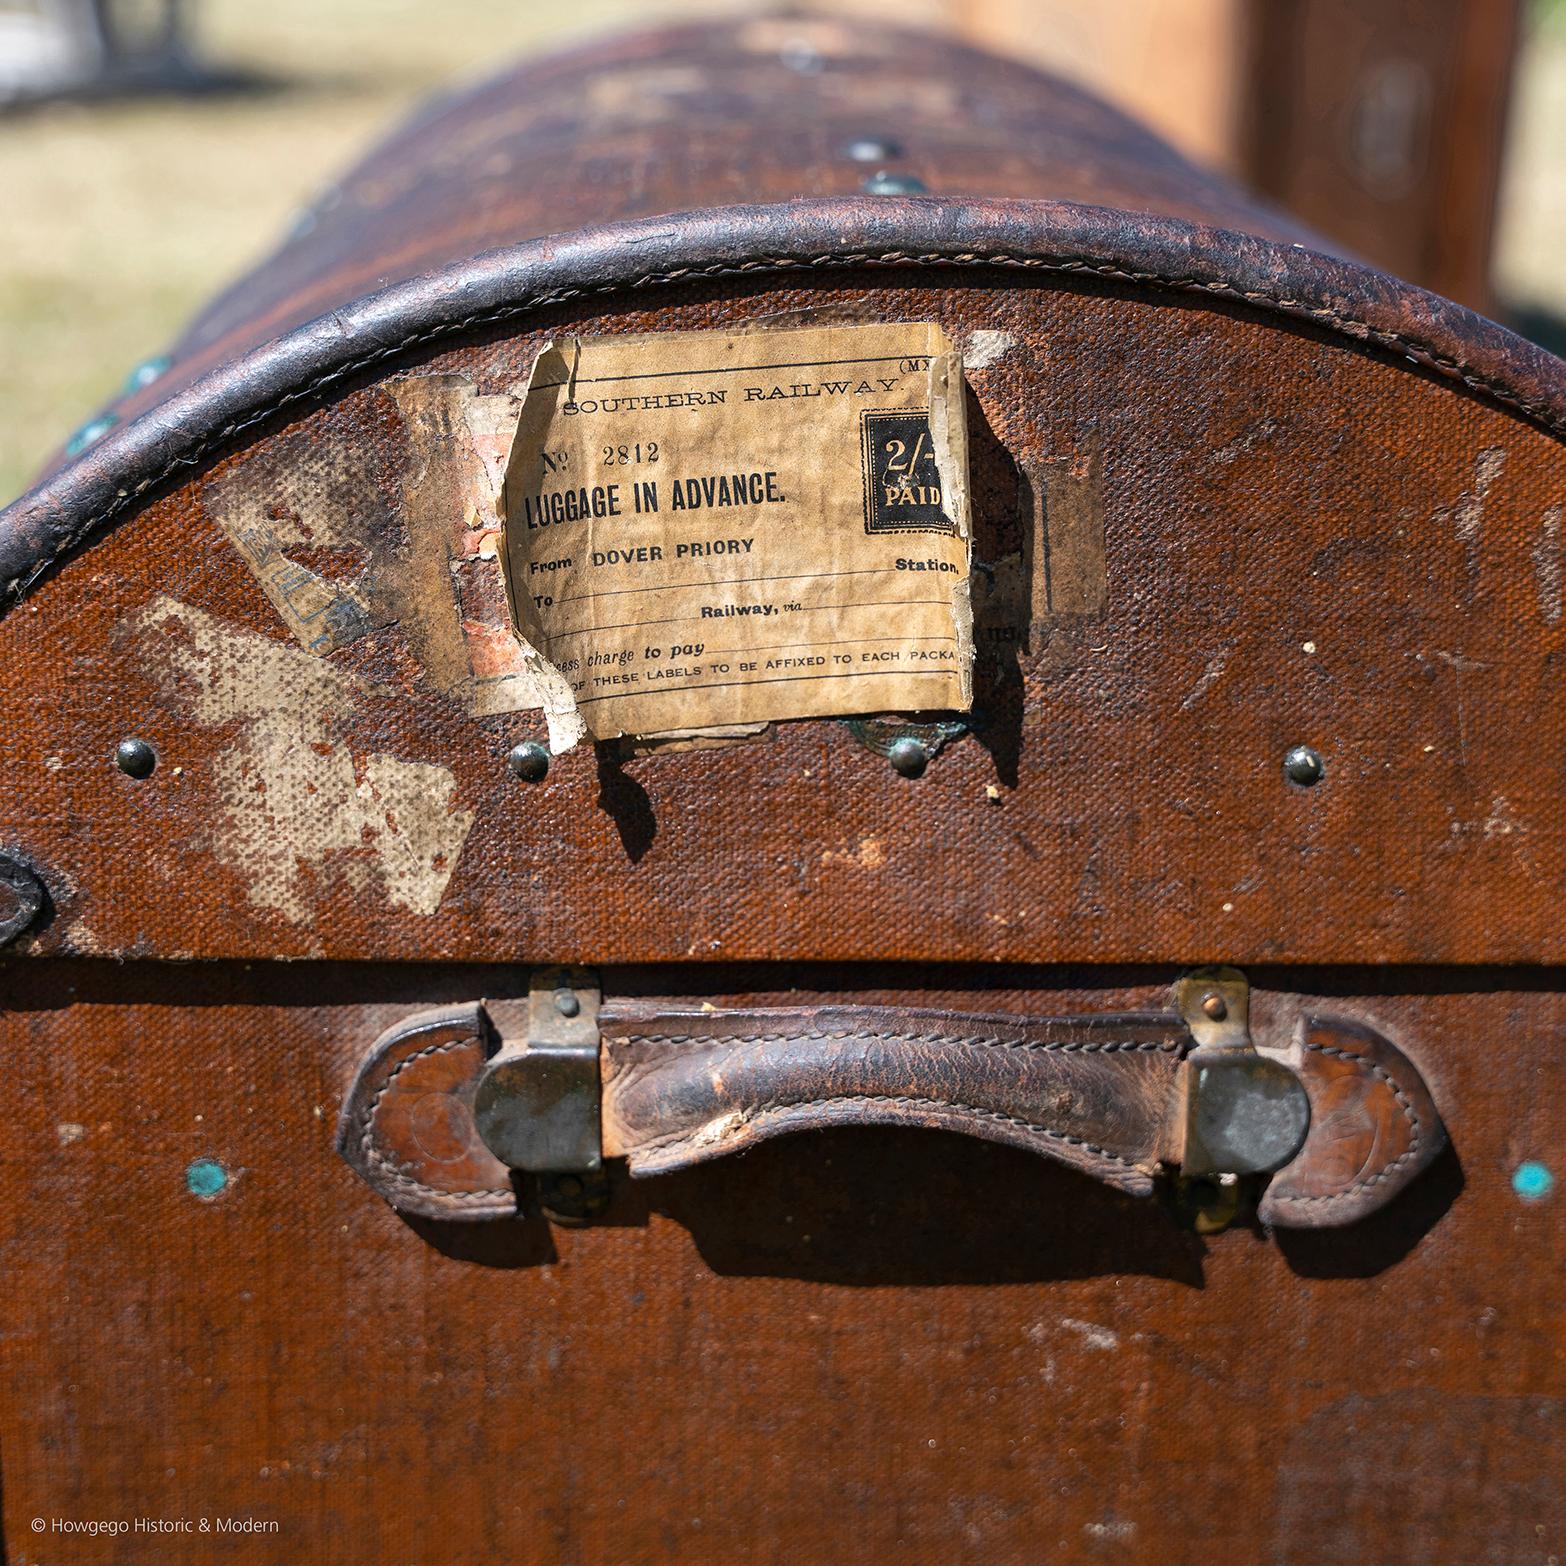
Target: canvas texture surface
[(1229, 498)]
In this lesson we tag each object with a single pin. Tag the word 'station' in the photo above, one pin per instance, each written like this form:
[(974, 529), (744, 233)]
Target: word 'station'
[(704, 530)]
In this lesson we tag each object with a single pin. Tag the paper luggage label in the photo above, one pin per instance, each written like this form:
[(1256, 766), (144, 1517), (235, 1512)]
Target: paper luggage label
[(705, 530)]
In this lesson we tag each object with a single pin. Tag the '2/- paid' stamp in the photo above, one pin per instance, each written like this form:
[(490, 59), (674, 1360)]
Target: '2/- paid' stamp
[(902, 481)]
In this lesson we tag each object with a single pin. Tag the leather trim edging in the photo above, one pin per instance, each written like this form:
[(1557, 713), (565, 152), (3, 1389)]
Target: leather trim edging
[(195, 423)]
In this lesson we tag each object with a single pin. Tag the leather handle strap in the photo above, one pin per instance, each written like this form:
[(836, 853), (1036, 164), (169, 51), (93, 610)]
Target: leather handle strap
[(1105, 1095), (1098, 1094)]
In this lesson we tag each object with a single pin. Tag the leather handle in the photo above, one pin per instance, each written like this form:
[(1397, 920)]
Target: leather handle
[(1098, 1094), (1109, 1096)]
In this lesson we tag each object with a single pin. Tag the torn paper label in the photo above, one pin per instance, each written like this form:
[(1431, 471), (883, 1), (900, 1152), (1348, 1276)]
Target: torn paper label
[(704, 529), (448, 595)]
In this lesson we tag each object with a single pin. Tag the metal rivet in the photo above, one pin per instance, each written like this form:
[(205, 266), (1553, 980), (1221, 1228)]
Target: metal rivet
[(92, 430), (885, 183), (135, 758), (529, 761), (1209, 1204), (1215, 1006), (146, 373), (871, 149), (1304, 766), (22, 898), (908, 756), (568, 1003)]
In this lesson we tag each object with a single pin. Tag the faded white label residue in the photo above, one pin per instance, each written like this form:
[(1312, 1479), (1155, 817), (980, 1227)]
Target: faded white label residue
[(985, 347), (274, 521), (450, 596), (1466, 513), (298, 804), (1547, 566)]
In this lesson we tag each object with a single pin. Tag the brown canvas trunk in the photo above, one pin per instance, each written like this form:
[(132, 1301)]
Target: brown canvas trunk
[(1268, 593)]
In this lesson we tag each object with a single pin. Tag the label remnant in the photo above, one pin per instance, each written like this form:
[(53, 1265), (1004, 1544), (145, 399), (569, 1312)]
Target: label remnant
[(706, 529)]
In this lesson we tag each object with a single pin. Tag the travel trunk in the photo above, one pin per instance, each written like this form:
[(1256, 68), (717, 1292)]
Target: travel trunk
[(487, 1084)]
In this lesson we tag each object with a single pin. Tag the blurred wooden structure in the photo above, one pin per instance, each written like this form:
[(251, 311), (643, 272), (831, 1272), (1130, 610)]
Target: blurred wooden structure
[(1379, 122), (1383, 126)]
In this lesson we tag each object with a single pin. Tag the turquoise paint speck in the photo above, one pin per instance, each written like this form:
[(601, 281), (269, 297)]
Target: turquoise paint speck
[(1532, 1181), (95, 429), (146, 373), (205, 1177)]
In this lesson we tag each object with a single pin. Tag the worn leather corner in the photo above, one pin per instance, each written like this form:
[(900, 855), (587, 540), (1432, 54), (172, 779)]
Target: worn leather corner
[(1373, 1129), (407, 1124)]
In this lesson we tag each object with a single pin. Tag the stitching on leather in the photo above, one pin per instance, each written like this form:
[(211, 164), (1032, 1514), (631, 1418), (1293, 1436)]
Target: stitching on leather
[(373, 1154), (1067, 1046), (1409, 1113), (1412, 347), (909, 1102)]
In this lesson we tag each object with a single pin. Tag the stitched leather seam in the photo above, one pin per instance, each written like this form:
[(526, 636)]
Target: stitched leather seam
[(908, 1102), (1412, 347), (1409, 1113), (1069, 1046), (375, 1156)]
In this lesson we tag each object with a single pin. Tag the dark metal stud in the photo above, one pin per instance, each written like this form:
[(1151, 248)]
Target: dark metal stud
[(573, 1199), (881, 734), (135, 758), (873, 149), (536, 1104), (885, 183), (1207, 1203), (1215, 1006), (529, 761), (1249, 1113), (908, 756), (1304, 766), (21, 898)]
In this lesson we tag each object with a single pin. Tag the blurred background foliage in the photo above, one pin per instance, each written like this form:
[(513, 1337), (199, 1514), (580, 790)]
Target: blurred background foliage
[(123, 215)]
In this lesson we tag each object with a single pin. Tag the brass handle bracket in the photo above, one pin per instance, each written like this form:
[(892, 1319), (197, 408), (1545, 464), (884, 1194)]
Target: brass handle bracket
[(1241, 1112), (537, 1105)]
